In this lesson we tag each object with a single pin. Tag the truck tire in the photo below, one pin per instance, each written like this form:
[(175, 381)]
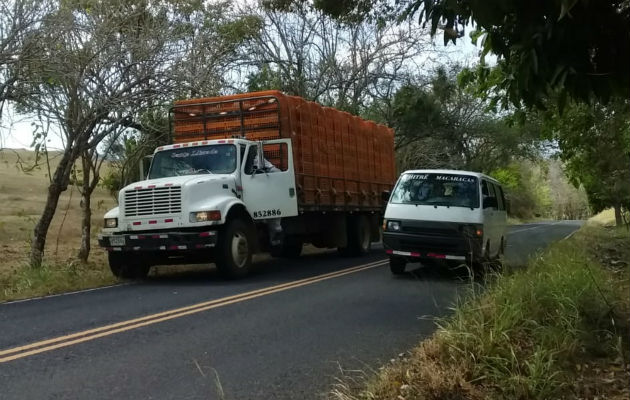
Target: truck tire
[(234, 249), (290, 248), (397, 265), (127, 266), (359, 238)]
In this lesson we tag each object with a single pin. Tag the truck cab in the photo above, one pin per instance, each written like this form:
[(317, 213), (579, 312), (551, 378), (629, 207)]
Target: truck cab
[(209, 200)]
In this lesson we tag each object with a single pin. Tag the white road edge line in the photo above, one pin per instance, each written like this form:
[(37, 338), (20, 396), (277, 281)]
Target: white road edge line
[(570, 234), (535, 227), (66, 293)]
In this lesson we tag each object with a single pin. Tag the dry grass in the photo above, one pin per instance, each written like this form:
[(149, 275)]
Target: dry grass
[(22, 198), (556, 330)]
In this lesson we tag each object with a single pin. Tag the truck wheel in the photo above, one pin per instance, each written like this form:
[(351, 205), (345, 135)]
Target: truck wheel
[(234, 250), (397, 265), (359, 238), (290, 248), (127, 266)]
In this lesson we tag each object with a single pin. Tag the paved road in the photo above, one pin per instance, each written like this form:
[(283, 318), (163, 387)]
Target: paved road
[(283, 333)]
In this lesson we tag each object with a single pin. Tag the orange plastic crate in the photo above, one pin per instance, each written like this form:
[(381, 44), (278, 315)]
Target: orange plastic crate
[(340, 160)]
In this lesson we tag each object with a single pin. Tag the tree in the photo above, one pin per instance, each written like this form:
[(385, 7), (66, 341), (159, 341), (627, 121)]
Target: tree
[(97, 63), (568, 201), (128, 151), (444, 125), (210, 37), (527, 188), (346, 65), (19, 19), (577, 48), (594, 142)]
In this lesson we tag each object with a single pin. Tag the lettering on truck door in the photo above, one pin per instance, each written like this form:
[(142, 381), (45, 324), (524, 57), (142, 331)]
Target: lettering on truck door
[(269, 185)]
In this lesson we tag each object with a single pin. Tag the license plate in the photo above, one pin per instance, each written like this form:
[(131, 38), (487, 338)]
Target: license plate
[(117, 240)]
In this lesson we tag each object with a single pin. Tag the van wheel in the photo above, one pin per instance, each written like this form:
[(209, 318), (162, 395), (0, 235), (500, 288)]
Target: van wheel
[(497, 262), (502, 248), (359, 238), (127, 266), (234, 249), (397, 265)]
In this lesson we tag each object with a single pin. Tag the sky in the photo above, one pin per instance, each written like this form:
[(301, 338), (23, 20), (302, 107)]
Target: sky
[(16, 131)]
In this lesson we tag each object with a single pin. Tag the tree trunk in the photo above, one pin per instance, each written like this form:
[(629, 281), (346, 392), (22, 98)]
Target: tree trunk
[(86, 224), (618, 219), (57, 186), (87, 188)]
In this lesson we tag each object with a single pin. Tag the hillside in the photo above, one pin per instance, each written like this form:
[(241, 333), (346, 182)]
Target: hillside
[(22, 198)]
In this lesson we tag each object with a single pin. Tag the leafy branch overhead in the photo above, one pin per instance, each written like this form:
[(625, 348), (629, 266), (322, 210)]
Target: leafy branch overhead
[(576, 47)]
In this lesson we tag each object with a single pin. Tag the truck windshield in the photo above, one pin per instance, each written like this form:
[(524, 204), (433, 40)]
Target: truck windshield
[(437, 189), (215, 159)]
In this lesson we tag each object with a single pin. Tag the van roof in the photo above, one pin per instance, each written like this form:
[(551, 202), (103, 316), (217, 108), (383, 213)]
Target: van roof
[(451, 171)]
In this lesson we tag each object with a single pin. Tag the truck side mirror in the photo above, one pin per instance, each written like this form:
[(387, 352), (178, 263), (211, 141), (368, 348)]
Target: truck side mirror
[(260, 158), (385, 195)]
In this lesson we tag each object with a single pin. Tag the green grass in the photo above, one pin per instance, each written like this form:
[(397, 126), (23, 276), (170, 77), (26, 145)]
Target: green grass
[(522, 337), (27, 282)]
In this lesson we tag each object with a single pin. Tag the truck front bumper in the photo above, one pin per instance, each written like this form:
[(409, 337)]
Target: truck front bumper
[(156, 242)]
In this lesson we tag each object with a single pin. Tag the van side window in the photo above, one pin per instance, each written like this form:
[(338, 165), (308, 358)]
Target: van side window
[(500, 199), (488, 193), (505, 205)]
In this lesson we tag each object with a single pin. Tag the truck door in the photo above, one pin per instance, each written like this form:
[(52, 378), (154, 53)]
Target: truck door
[(269, 185)]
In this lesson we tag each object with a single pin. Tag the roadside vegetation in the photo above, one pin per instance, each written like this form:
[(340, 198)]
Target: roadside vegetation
[(557, 329), (558, 145), (21, 201)]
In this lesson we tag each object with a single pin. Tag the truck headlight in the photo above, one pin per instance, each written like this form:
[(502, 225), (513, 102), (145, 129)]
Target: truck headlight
[(203, 216), (393, 226), (111, 222)]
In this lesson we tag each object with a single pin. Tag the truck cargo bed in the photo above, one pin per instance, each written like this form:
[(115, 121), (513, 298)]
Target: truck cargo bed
[(342, 162)]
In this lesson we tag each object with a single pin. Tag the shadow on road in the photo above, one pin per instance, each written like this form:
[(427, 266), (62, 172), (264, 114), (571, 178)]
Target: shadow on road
[(437, 270), (264, 269)]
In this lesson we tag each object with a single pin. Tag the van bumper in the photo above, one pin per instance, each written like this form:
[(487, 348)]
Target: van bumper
[(457, 247)]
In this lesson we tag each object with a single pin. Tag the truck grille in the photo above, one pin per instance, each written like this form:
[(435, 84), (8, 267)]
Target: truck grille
[(153, 201)]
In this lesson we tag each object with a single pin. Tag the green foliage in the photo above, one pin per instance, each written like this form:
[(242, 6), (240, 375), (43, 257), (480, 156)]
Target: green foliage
[(53, 278), (577, 48), (127, 151), (265, 79), (446, 125), (594, 142), (527, 189), (520, 334)]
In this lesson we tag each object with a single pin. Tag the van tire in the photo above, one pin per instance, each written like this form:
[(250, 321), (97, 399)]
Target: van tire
[(127, 266), (358, 235), (397, 265), (234, 249), (502, 248)]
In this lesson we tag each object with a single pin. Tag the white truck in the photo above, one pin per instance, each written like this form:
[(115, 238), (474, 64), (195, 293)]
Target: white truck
[(222, 200)]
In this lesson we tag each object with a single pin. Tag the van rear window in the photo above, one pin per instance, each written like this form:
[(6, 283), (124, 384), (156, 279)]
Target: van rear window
[(449, 190)]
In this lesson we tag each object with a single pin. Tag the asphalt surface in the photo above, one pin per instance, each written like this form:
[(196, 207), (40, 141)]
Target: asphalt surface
[(287, 342)]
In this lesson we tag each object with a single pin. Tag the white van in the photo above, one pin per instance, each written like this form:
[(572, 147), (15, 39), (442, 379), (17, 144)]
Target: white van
[(459, 216)]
